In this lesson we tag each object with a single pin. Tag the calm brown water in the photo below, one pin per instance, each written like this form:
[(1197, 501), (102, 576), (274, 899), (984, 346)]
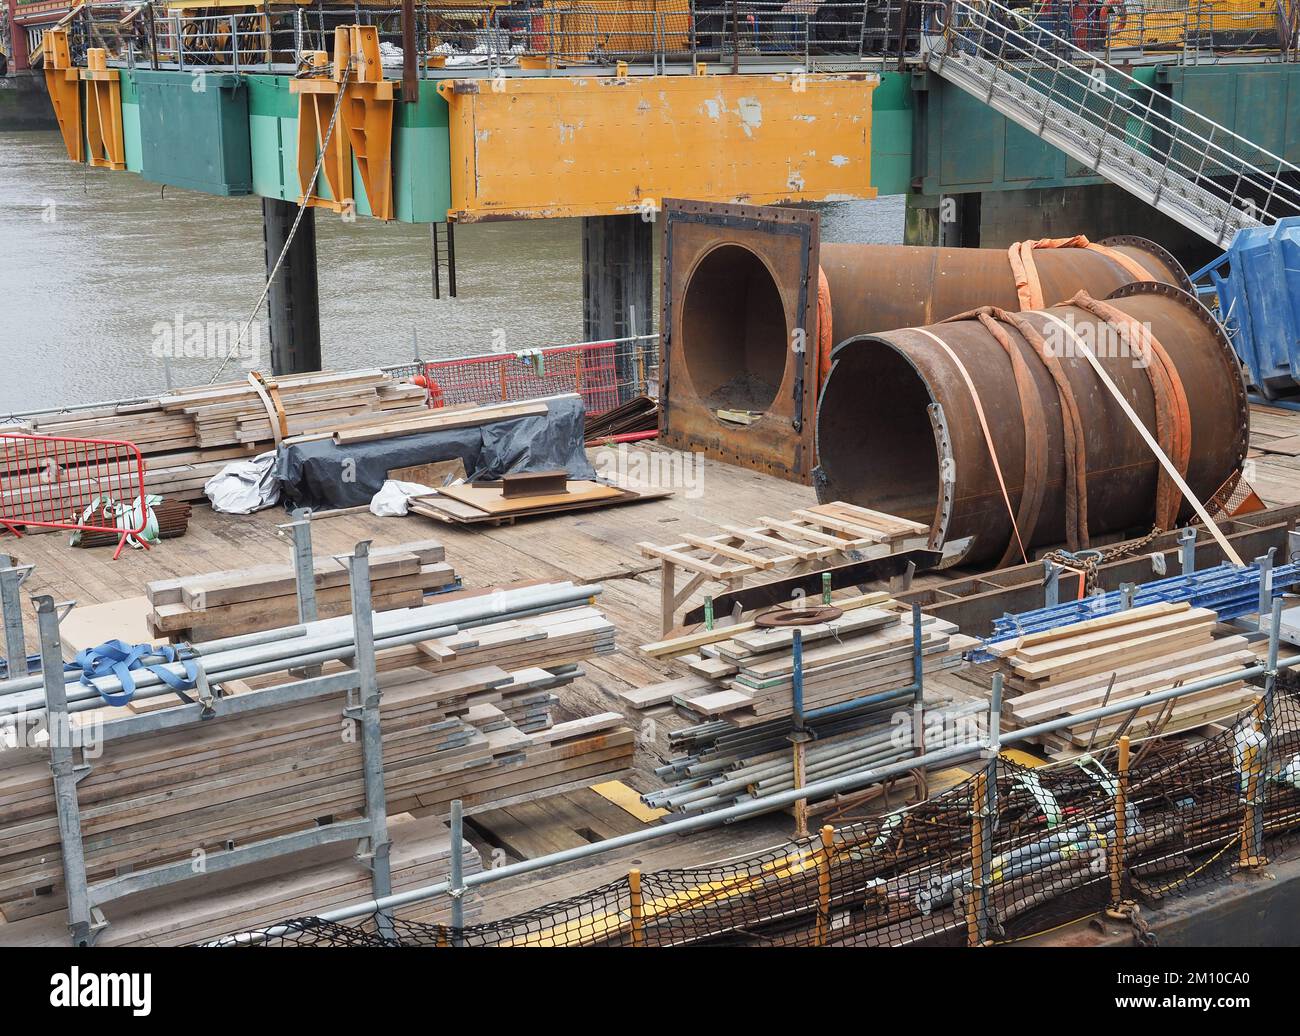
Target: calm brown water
[(92, 263)]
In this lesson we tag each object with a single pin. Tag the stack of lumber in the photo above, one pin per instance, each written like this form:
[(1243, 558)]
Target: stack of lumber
[(743, 673), (461, 415), (252, 897), (188, 436), (225, 604), (469, 716), (1122, 657), (740, 691), (234, 413)]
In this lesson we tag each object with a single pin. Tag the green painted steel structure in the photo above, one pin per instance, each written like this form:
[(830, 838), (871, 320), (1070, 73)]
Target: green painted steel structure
[(421, 150)]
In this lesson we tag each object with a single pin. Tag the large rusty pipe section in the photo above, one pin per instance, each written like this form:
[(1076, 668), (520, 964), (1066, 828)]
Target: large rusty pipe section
[(883, 287), (898, 427), (748, 318)]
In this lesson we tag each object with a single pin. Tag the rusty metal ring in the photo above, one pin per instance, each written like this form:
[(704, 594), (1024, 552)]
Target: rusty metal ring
[(784, 618)]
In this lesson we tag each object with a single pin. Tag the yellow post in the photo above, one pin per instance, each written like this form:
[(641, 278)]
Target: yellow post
[(1252, 771), (1117, 906), (824, 857), (977, 835), (800, 806), (636, 908)]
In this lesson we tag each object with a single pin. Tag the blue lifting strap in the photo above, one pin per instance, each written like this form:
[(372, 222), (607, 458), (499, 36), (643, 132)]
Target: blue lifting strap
[(118, 658)]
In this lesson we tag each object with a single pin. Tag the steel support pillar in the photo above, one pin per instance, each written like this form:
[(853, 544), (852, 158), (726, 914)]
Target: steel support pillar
[(293, 303), (367, 714), (617, 285), (11, 606), (66, 773)]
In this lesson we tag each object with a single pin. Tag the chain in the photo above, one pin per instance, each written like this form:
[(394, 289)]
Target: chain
[(1088, 562)]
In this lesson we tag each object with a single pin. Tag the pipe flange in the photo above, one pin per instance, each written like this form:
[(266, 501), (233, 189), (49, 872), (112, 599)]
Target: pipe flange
[(1227, 352), (1159, 251)]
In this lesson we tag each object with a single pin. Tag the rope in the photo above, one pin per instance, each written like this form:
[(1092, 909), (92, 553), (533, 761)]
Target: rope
[(302, 207)]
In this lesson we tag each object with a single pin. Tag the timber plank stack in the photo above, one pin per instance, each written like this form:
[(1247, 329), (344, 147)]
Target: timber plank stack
[(743, 673), (469, 716), (739, 697), (188, 436), (226, 604), (306, 884), (1123, 657)]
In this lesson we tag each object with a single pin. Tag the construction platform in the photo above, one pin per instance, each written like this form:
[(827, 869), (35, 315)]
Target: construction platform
[(599, 546)]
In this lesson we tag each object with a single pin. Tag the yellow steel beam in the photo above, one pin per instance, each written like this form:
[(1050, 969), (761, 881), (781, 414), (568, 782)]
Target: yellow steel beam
[(103, 111), (63, 82), (363, 128), (603, 145)]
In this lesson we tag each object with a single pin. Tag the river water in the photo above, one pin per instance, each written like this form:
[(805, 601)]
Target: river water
[(94, 265)]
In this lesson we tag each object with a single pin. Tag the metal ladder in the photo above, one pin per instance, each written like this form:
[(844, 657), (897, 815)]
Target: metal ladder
[(1189, 167)]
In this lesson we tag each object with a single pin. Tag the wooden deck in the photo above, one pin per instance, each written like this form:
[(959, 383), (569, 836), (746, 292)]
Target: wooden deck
[(596, 546)]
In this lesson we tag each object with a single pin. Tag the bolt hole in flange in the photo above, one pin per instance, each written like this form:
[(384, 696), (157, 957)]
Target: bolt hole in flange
[(734, 332)]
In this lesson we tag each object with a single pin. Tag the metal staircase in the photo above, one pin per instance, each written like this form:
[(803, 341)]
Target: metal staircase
[(1195, 171)]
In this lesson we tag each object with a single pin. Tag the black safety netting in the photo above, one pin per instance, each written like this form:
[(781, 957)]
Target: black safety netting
[(1010, 853)]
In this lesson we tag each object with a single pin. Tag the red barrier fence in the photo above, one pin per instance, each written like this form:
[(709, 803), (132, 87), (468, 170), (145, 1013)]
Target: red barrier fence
[(55, 482), (605, 374)]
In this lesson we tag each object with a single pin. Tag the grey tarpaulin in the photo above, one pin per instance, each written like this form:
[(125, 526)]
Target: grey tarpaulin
[(322, 474)]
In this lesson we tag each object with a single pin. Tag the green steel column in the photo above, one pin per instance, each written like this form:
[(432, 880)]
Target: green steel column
[(293, 303)]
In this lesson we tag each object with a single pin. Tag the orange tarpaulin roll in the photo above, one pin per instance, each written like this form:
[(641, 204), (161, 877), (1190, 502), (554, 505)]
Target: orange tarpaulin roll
[(1029, 290)]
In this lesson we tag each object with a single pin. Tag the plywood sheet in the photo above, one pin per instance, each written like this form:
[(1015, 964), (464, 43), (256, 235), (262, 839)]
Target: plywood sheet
[(490, 499)]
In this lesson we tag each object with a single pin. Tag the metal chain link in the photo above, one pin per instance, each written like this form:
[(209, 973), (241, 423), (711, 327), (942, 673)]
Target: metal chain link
[(1088, 562)]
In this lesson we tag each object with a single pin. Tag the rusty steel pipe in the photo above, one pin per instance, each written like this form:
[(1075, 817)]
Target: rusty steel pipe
[(898, 429), (884, 287), (748, 325)]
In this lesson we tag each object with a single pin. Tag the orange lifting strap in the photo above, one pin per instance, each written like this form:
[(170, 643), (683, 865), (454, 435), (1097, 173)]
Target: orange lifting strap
[(825, 343), (1029, 289), (1173, 420)]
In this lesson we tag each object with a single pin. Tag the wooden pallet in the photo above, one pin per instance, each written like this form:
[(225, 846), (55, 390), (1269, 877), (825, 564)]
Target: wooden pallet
[(809, 540)]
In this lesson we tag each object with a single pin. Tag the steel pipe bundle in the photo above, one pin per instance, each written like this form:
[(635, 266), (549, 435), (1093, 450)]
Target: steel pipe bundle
[(307, 644), (742, 769), (899, 428)]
